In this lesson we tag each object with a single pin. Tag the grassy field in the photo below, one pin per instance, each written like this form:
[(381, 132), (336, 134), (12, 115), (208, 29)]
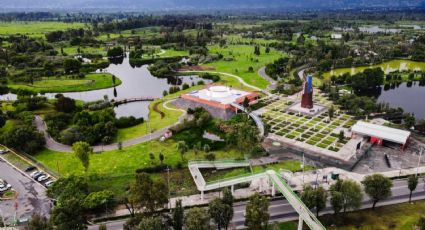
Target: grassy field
[(72, 50), (60, 85), (400, 217), (156, 122), (243, 58), (35, 29), (115, 169)]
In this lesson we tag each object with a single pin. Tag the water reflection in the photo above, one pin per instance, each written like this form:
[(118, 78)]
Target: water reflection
[(406, 95), (136, 82)]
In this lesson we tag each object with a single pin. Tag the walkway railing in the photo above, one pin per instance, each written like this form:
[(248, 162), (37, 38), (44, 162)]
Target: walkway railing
[(302, 210)]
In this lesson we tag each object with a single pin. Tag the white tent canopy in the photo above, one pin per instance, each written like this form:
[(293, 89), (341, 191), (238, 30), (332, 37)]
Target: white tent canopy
[(386, 133)]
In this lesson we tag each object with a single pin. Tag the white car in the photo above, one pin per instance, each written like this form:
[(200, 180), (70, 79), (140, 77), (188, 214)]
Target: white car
[(33, 174), (43, 178), (4, 187), (49, 183)]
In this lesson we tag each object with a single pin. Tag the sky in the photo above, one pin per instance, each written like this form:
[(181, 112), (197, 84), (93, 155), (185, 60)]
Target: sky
[(155, 5)]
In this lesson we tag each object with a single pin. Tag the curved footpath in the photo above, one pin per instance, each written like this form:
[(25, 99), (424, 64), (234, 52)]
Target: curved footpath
[(59, 147), (231, 75), (272, 83)]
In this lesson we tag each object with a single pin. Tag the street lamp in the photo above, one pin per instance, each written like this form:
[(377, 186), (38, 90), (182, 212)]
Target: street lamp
[(419, 161)]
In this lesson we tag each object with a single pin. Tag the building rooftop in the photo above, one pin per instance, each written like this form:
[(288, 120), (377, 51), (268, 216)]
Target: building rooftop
[(386, 133), (220, 94)]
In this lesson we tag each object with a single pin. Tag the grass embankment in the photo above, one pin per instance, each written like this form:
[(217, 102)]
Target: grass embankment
[(243, 58), (35, 29), (387, 67), (73, 50), (92, 81), (400, 216), (116, 168), (156, 121)]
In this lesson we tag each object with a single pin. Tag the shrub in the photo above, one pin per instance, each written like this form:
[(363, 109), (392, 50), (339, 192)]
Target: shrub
[(125, 122)]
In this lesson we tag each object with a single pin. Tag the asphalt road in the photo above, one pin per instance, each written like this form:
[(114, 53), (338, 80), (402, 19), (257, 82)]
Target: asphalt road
[(280, 210), (31, 195)]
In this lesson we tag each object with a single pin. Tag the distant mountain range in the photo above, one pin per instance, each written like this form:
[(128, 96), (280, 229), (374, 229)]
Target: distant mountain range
[(164, 5)]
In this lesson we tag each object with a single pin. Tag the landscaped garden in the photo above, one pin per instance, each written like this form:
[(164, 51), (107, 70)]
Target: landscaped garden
[(320, 130)]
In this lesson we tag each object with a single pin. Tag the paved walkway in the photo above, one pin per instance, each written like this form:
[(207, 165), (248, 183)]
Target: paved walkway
[(231, 75), (263, 74), (59, 147)]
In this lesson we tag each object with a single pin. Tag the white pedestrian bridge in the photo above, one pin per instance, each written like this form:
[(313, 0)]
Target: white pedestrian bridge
[(276, 182)]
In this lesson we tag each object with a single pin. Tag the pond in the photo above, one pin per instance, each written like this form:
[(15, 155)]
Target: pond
[(136, 82), (388, 66), (406, 95)]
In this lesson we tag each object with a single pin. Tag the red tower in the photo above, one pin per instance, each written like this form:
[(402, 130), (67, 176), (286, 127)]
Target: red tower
[(307, 96)]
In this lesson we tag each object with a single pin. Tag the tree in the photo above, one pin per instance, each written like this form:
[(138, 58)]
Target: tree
[(115, 52), (38, 223), (65, 104), (349, 192), (412, 182), (23, 137), (314, 198), (82, 151), (216, 210), (197, 219), (409, 121), (161, 157), (148, 194), (102, 227), (331, 112), (337, 201), (69, 216), (71, 66), (377, 187), (257, 213), (245, 102), (228, 197), (151, 223), (182, 148), (99, 199), (178, 216), (341, 136)]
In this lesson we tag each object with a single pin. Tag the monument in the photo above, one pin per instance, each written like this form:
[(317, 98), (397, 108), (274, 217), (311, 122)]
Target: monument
[(307, 96)]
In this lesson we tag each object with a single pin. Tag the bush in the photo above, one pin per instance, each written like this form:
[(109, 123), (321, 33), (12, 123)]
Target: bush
[(153, 169), (125, 122), (99, 199)]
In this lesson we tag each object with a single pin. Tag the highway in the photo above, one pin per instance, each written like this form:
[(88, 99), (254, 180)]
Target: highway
[(280, 210)]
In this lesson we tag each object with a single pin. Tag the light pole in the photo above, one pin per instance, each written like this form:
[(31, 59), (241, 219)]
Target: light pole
[(419, 161), (168, 183)]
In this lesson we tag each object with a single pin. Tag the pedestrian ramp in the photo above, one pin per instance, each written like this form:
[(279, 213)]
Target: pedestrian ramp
[(276, 181)]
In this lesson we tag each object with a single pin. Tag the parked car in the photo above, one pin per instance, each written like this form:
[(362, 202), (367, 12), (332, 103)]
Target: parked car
[(4, 186), (39, 175), (3, 151), (43, 178), (49, 183), (30, 168), (36, 174)]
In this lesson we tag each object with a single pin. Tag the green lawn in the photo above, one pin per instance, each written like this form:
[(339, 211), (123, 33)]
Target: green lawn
[(155, 122), (92, 81), (35, 29), (399, 217), (72, 50), (242, 55), (115, 169)]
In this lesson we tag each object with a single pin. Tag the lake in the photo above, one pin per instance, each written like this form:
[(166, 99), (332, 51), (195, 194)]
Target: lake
[(408, 96), (136, 82), (388, 66)]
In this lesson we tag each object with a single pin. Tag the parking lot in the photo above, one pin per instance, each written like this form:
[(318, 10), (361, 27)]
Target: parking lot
[(31, 196)]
